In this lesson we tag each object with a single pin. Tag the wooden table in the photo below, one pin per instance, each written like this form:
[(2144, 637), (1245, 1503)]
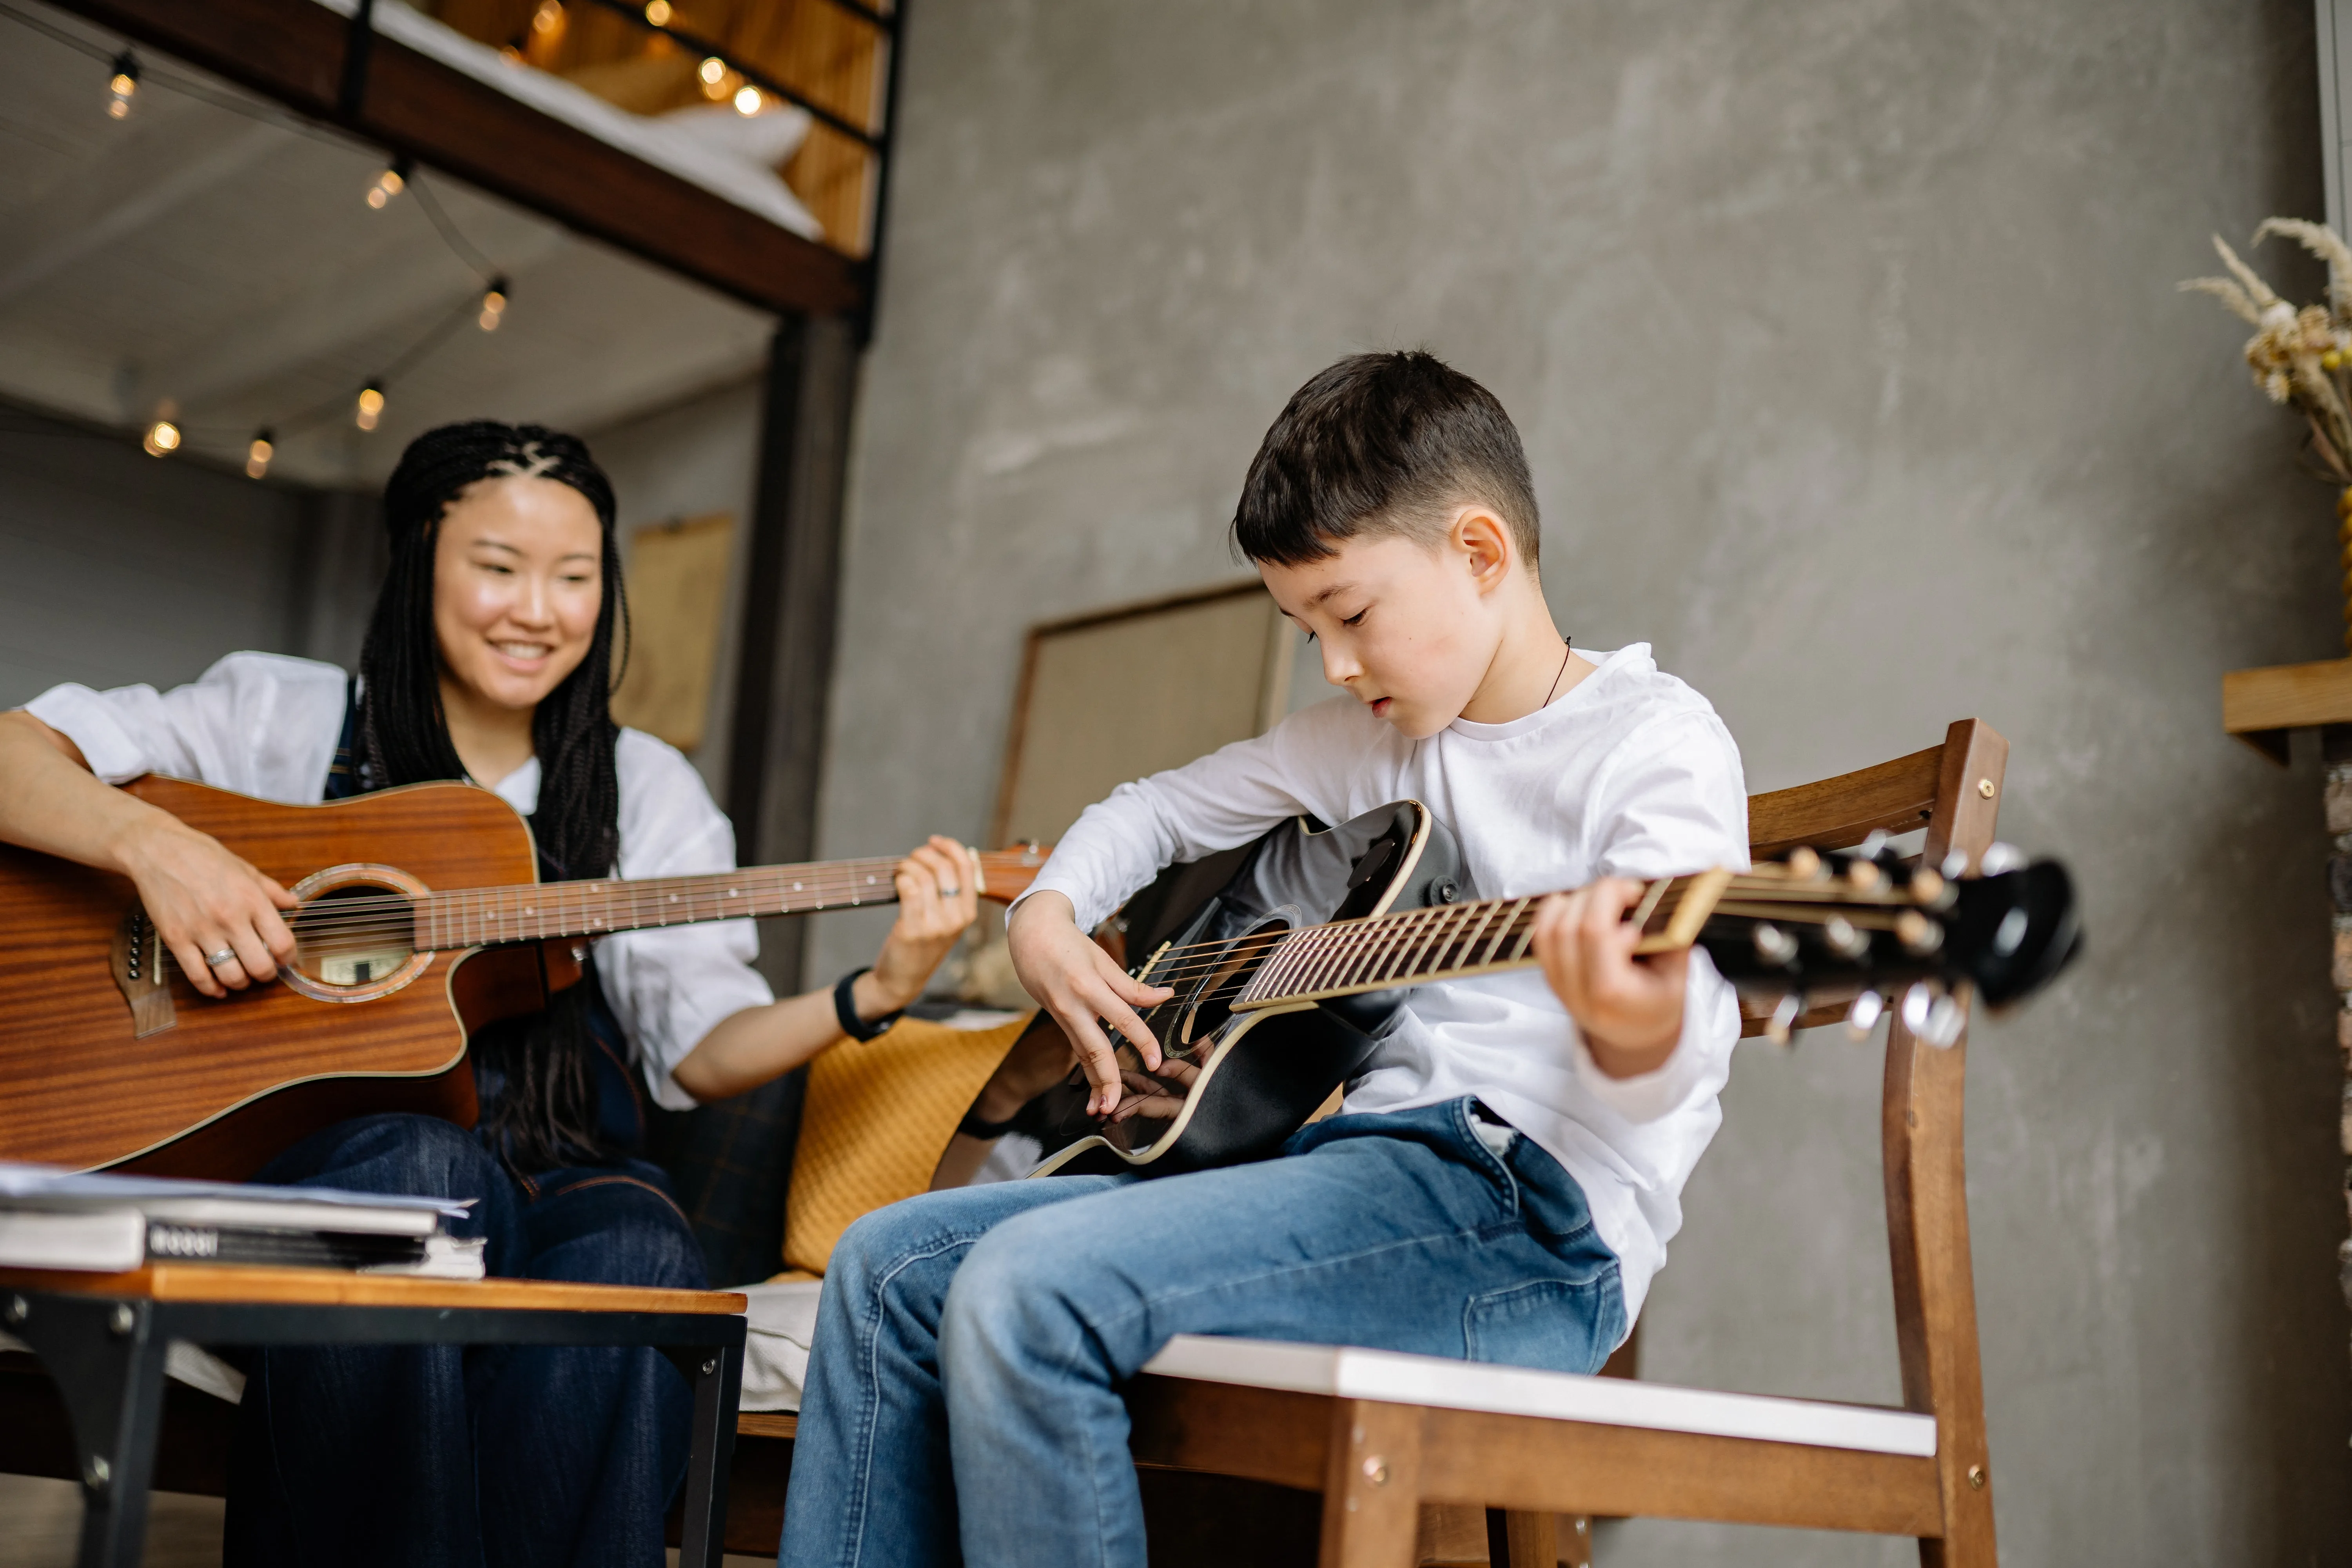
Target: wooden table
[(103, 1338)]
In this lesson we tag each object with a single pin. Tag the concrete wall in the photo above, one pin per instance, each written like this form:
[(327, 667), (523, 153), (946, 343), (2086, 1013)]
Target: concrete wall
[(116, 567), (690, 459), (1844, 341)]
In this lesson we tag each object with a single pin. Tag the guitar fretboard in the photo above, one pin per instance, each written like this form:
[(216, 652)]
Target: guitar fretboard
[(539, 912), (1408, 948), (1414, 947)]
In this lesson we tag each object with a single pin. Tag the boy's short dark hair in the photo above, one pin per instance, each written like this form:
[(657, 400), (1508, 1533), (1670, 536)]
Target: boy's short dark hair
[(1382, 442)]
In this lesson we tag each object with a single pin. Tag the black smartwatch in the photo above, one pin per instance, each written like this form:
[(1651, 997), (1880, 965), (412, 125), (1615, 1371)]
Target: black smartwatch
[(845, 1010)]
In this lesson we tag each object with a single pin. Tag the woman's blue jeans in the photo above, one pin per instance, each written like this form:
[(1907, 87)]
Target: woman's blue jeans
[(963, 1394), (457, 1456)]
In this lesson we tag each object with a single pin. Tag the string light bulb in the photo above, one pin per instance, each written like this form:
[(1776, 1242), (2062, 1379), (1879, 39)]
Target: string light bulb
[(747, 100), (657, 12), (161, 439), (494, 304), (370, 407), (124, 85), (389, 182), (712, 70), (258, 454)]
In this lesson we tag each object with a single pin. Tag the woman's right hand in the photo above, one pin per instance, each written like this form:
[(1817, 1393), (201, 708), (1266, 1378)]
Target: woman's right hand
[(201, 899)]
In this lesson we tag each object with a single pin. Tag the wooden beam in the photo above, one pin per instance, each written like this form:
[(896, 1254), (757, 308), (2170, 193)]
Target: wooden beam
[(2262, 707), (295, 50), (775, 760)]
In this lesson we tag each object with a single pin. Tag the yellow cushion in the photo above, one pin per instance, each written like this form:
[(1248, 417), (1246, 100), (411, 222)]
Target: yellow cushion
[(879, 1116)]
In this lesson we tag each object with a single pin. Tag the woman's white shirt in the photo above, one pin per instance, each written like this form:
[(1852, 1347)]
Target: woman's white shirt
[(263, 724)]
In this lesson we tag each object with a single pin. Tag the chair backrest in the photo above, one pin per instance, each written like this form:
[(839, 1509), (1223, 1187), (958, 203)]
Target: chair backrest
[(1953, 791)]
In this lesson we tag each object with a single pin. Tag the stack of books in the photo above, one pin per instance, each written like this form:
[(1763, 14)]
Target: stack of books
[(51, 1218)]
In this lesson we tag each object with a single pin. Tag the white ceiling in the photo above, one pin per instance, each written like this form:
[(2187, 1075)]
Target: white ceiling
[(226, 264)]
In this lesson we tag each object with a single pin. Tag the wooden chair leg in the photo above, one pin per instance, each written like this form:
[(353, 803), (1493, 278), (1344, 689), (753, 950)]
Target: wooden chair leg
[(1453, 1535), (1575, 1540), (1522, 1539), (1372, 1486)]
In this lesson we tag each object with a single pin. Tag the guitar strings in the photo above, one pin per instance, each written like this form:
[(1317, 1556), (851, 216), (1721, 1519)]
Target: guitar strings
[(1356, 938), (1510, 937), (393, 914)]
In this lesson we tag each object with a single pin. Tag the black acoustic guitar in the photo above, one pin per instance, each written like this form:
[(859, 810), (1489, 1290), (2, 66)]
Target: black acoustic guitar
[(1287, 956)]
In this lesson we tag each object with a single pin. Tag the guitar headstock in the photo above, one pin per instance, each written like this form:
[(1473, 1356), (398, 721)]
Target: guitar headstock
[(1005, 874), (1815, 929)]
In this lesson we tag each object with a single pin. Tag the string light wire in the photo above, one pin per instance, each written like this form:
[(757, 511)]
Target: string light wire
[(261, 447)]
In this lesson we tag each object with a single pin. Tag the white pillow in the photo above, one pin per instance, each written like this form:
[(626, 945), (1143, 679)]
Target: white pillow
[(767, 138)]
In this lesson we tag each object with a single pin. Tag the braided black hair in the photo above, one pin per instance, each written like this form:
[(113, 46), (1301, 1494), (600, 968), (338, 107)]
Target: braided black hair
[(539, 1106)]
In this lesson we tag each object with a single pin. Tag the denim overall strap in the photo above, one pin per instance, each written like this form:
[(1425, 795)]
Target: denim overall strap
[(343, 772), (620, 1107)]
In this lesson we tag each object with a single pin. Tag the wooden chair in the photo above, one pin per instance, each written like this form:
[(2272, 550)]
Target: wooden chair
[(1381, 1435)]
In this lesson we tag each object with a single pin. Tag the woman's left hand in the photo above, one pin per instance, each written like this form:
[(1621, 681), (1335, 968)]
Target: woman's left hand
[(939, 896)]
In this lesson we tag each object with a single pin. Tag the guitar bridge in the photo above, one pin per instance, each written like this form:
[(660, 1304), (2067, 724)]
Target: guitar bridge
[(138, 972)]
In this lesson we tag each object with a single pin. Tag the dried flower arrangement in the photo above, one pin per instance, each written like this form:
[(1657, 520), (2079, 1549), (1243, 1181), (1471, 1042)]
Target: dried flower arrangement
[(2298, 356), (2302, 357)]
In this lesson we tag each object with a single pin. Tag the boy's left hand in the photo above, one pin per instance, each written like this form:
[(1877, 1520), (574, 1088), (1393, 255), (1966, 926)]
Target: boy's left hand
[(1630, 1009)]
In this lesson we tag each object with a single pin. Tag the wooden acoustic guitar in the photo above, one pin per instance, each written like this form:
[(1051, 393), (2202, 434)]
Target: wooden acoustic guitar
[(422, 918), (1287, 955)]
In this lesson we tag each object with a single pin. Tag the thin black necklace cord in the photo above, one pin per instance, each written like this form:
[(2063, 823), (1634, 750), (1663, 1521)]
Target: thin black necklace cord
[(1567, 646)]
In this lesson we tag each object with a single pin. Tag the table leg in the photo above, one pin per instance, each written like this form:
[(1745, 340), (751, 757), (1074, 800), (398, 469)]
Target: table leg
[(716, 1373), (107, 1360)]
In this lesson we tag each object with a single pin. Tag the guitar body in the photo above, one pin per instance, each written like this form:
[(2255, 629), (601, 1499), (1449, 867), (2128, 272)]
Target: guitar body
[(1233, 1086), (216, 1088)]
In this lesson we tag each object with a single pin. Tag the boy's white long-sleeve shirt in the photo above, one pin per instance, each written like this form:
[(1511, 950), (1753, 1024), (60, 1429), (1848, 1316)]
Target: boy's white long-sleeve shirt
[(1629, 772)]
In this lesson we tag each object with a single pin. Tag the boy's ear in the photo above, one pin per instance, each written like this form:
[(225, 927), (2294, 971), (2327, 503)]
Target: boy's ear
[(1485, 541)]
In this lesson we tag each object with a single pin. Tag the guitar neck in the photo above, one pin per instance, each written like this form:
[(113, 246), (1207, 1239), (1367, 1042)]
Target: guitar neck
[(1451, 942), (542, 911)]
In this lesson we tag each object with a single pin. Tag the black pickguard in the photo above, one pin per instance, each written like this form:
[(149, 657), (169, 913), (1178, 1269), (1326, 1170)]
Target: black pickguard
[(1232, 1087)]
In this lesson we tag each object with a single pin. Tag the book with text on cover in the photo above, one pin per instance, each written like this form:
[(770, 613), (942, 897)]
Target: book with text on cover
[(51, 1218)]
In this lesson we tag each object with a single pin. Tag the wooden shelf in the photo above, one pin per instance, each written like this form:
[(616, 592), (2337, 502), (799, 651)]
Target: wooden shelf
[(2262, 707)]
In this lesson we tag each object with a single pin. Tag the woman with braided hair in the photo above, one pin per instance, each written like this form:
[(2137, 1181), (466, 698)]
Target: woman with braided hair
[(490, 656)]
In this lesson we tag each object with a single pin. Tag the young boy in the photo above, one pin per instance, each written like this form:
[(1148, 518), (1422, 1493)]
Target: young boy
[(1501, 1181)]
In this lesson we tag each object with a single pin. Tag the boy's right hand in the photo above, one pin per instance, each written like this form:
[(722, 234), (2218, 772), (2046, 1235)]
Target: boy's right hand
[(1080, 984)]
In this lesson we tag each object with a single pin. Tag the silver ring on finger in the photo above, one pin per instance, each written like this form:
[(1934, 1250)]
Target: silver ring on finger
[(226, 955), (950, 891)]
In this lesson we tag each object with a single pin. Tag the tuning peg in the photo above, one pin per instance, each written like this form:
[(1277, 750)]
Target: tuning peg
[(1840, 937), (1803, 863), (1956, 864), (2009, 935), (1784, 1017), (2000, 857), (1866, 875), (1863, 1015), (1773, 945), (1919, 935), (1934, 1017), (1869, 848), (1928, 888), (1946, 1017)]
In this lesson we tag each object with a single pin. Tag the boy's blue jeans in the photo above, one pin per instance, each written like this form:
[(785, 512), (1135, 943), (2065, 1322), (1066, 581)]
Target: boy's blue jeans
[(963, 1394)]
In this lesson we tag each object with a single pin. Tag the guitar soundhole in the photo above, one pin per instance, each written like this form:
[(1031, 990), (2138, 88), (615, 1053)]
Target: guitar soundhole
[(354, 940), (1188, 1028)]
